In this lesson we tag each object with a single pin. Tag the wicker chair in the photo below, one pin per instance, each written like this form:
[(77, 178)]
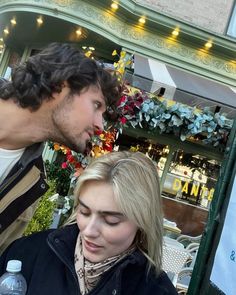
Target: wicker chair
[(174, 259)]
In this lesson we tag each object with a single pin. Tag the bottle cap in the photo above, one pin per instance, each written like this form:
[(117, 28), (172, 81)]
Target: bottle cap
[(14, 265)]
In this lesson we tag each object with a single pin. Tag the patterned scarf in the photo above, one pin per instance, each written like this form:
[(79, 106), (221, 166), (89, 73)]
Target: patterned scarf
[(89, 273)]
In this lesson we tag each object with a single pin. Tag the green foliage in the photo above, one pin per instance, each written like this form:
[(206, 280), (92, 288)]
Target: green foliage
[(42, 218), (60, 176), (142, 110)]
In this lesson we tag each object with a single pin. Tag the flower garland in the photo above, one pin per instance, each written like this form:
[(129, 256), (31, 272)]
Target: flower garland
[(138, 109), (102, 143)]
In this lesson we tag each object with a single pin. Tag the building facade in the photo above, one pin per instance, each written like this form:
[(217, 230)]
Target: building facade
[(186, 40)]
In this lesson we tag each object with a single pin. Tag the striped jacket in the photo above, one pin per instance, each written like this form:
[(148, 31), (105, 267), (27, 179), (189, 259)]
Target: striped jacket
[(19, 193)]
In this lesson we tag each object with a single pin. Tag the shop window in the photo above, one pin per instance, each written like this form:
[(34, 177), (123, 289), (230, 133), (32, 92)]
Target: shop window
[(188, 181), (156, 152), (191, 178)]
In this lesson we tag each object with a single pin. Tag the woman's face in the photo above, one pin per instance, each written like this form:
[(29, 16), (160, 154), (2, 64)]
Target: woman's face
[(104, 230)]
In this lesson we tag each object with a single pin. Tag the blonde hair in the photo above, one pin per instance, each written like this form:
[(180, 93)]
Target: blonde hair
[(136, 188)]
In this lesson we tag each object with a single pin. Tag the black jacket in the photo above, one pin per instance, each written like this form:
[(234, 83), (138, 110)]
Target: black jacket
[(48, 266)]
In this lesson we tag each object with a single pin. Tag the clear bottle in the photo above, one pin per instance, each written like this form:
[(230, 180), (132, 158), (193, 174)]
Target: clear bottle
[(12, 281)]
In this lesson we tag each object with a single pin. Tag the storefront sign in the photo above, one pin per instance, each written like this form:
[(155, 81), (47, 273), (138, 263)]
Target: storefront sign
[(224, 267), (192, 189)]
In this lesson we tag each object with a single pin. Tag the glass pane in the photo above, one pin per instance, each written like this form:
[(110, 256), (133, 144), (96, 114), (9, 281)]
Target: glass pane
[(188, 190), (157, 152)]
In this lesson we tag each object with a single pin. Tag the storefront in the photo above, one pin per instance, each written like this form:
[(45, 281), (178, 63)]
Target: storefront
[(188, 168), (188, 174)]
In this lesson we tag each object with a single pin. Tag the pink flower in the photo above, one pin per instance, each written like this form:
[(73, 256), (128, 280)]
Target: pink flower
[(64, 165)]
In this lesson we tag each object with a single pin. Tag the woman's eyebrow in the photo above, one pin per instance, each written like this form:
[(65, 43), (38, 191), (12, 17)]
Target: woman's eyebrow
[(81, 203), (113, 213)]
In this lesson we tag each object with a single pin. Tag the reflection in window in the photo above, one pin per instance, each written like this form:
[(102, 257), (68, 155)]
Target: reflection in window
[(156, 152), (191, 178)]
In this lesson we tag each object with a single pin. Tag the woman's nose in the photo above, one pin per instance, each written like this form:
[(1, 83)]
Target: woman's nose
[(92, 228)]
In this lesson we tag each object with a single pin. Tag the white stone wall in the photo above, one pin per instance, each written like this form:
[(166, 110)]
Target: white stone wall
[(212, 15)]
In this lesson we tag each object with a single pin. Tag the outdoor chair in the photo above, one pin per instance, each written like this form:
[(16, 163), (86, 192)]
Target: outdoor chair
[(167, 241), (186, 240), (174, 259), (184, 276), (183, 280)]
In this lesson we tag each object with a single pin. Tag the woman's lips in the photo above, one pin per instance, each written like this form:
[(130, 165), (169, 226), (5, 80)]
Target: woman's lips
[(91, 246)]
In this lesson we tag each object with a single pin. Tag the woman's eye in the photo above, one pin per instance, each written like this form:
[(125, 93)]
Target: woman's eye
[(85, 213), (112, 221)]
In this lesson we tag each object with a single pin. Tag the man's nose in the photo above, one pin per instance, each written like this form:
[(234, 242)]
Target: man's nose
[(98, 122)]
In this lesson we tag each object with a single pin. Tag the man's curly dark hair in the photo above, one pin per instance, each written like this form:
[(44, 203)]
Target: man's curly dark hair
[(44, 73)]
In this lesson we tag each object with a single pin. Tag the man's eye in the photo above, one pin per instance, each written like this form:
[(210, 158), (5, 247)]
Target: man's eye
[(97, 104)]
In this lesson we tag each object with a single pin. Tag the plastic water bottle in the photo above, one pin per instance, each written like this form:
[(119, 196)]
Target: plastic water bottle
[(12, 281)]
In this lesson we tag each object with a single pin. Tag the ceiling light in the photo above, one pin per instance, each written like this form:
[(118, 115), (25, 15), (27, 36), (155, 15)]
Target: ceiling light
[(91, 48), (40, 20), (114, 5), (175, 32), (79, 32), (1, 46), (142, 20), (13, 21), (6, 31), (1, 39), (208, 44)]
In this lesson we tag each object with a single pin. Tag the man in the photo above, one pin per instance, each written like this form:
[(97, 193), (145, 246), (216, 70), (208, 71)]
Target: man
[(58, 95)]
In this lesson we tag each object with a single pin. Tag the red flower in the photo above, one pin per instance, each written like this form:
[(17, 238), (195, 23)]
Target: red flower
[(108, 147), (78, 165), (123, 120), (64, 165), (68, 152), (98, 132), (70, 158), (121, 100)]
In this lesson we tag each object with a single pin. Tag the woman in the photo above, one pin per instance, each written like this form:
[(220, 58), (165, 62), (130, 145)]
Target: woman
[(116, 246)]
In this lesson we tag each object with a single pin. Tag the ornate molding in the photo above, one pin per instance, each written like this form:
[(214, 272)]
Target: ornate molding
[(180, 55), (124, 33)]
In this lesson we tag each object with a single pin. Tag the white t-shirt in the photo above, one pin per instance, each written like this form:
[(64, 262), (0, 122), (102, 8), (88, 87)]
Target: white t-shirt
[(8, 159)]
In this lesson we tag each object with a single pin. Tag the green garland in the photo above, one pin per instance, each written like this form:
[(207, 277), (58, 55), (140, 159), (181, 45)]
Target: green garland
[(141, 110)]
